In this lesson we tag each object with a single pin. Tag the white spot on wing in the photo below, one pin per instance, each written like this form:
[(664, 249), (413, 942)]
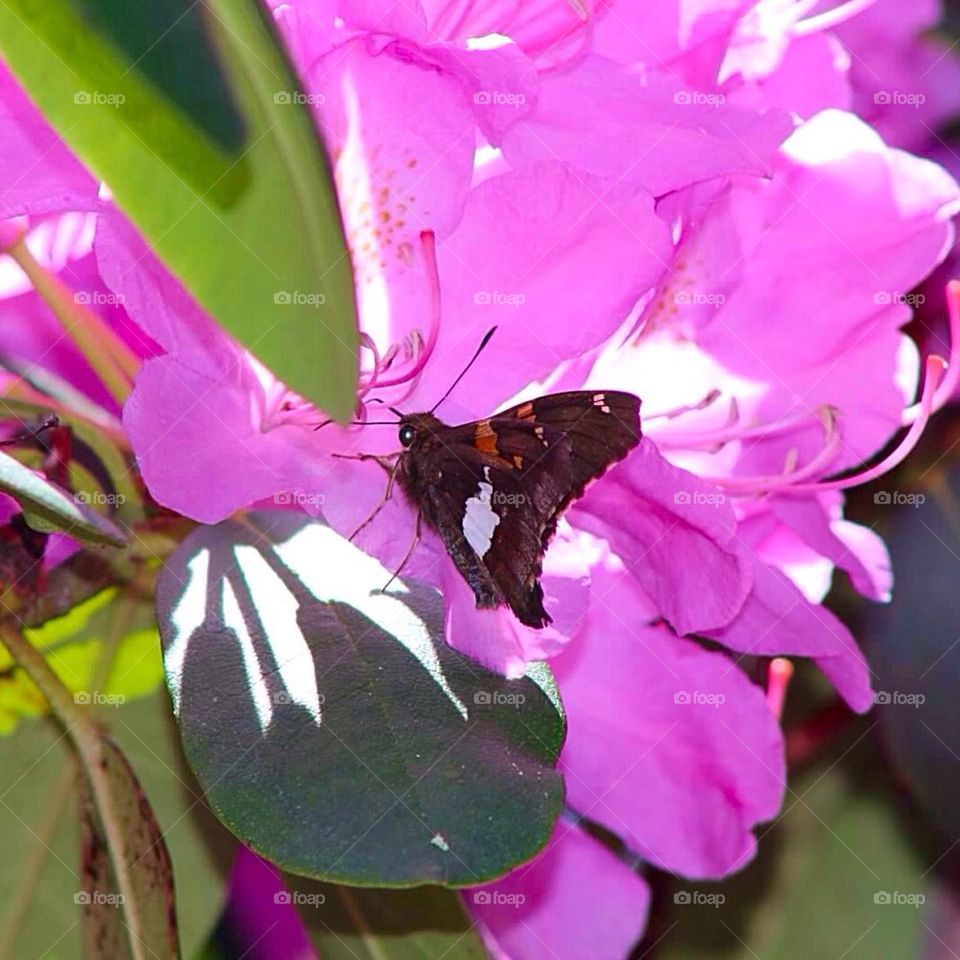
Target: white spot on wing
[(188, 614), (277, 610), (480, 519)]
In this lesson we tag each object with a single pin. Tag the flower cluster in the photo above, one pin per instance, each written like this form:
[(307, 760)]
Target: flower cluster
[(679, 202)]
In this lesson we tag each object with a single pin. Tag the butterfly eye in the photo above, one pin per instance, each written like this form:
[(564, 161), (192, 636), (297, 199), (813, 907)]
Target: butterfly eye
[(406, 435)]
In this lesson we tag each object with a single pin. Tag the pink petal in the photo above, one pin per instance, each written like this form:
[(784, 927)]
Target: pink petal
[(642, 128), (38, 174), (582, 251), (546, 30), (575, 901), (199, 448), (812, 75), (405, 19), (155, 300), (778, 620), (496, 638), (867, 221), (856, 549), (687, 39), (401, 132), (691, 757), (675, 533)]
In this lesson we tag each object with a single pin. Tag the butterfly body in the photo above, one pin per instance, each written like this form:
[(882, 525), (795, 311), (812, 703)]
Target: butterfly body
[(494, 489)]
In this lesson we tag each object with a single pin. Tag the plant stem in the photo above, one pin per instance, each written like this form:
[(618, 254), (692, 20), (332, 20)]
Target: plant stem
[(113, 361)]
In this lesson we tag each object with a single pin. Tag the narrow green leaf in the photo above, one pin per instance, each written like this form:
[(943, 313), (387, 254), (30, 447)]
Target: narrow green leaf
[(100, 901), (47, 507), (254, 232), (372, 753)]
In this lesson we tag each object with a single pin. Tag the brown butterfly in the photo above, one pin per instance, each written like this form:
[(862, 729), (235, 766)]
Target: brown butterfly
[(494, 489)]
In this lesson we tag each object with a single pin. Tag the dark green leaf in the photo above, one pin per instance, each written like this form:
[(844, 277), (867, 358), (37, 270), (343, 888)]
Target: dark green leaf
[(330, 725)]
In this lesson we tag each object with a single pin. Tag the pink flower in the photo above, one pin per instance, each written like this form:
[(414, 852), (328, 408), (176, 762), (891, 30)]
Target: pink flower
[(635, 221)]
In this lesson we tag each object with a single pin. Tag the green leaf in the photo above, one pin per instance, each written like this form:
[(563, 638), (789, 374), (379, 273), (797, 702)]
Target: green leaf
[(837, 875), (253, 231), (347, 923), (40, 872), (46, 507), (332, 728), (73, 645)]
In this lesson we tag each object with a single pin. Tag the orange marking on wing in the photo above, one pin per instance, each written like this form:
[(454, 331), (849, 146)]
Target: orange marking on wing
[(485, 437), (525, 411)]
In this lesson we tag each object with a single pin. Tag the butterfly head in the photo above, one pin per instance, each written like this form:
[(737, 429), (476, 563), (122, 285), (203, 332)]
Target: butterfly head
[(416, 428)]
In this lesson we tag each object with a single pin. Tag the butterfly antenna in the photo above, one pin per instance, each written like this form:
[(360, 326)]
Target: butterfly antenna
[(26, 434), (463, 373)]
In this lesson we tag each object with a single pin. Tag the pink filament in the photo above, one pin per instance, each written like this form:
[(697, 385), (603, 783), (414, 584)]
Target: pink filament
[(778, 679), (949, 383)]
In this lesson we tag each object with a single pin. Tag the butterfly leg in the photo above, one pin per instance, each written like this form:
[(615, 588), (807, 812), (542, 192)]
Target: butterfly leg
[(385, 462), (407, 555), (387, 496)]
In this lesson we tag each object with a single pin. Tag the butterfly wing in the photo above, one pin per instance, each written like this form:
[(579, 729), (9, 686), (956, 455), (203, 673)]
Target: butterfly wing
[(494, 489)]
